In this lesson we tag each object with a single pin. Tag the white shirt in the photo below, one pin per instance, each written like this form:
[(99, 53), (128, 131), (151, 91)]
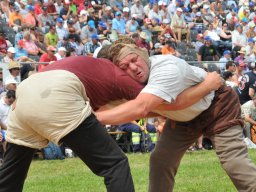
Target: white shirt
[(4, 111), (169, 76), (238, 38)]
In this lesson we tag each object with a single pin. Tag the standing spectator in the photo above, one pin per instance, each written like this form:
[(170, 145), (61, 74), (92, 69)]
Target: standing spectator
[(30, 18), (10, 55), (87, 31), (137, 9), (118, 24), (61, 31), (178, 25), (51, 38), (92, 45), (207, 52), (47, 57), (61, 53)]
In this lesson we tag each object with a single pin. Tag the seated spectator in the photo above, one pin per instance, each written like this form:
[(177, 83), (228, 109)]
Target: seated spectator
[(132, 25), (212, 33), (58, 5), (30, 18), (87, 31), (39, 42), (92, 45), (51, 9), (22, 6), (31, 48), (83, 18), (118, 24), (154, 13), (10, 55), (157, 49), (92, 16), (61, 54), (141, 42), (107, 14), (198, 22), (65, 12), (15, 18), (47, 57), (137, 8), (251, 33), (168, 48), (207, 52), (223, 60), (230, 66), (44, 19), (102, 29), (65, 43), (21, 55), (239, 40), (188, 18), (249, 47), (61, 31), (241, 56), (126, 15), (76, 24), (179, 27), (168, 31), (199, 41), (19, 34), (14, 69), (240, 69), (51, 38), (38, 7), (229, 80), (248, 114), (5, 107), (3, 45), (10, 84), (226, 36)]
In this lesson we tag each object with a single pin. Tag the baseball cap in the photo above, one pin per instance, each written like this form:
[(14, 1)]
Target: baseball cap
[(31, 8), (186, 9), (51, 48), (134, 16), (198, 14), (21, 43), (11, 50), (250, 40), (102, 24), (207, 38), (44, 8), (227, 52), (117, 13), (60, 20), (94, 36), (62, 49), (10, 81), (91, 24), (179, 9), (251, 4), (126, 9), (166, 21), (244, 19)]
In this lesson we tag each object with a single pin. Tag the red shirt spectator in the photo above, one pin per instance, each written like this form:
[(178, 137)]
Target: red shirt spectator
[(141, 42), (47, 57), (3, 44), (38, 7)]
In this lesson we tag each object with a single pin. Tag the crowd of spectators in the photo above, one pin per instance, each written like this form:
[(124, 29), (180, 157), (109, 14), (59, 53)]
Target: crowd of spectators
[(196, 30)]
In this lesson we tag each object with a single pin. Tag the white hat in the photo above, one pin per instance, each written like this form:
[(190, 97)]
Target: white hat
[(166, 21), (160, 3), (134, 16), (158, 45), (179, 9), (11, 50), (105, 42), (251, 24), (143, 35), (194, 7), (198, 14), (126, 9), (108, 8), (10, 81), (206, 6), (83, 12), (62, 49), (93, 2)]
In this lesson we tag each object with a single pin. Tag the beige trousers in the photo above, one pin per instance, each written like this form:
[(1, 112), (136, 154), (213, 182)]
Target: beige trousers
[(229, 147)]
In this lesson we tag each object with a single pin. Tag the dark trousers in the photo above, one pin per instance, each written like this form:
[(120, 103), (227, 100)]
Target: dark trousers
[(91, 142)]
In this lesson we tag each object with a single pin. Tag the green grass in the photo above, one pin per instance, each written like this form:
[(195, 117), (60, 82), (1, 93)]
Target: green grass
[(198, 172)]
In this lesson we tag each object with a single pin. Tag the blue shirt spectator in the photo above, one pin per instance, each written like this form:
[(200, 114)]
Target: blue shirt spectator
[(118, 24)]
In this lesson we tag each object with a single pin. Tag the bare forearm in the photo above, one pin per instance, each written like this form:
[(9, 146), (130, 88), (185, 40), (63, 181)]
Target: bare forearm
[(187, 98), (250, 120)]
